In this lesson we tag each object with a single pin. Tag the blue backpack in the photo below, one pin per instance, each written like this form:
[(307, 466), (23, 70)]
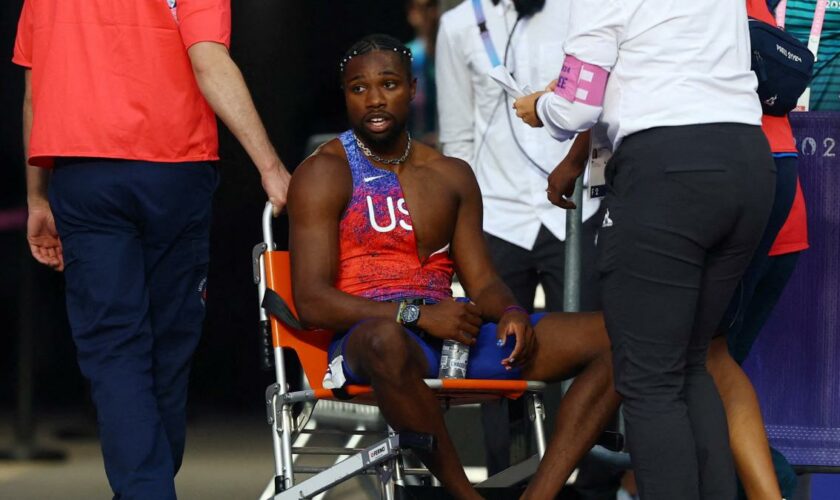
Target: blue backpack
[(783, 65)]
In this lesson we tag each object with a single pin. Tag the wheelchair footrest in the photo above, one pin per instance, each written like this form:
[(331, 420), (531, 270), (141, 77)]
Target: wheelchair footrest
[(419, 441), (368, 458)]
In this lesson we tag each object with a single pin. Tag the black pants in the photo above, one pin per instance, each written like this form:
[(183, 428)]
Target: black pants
[(686, 207), (759, 291), (522, 270)]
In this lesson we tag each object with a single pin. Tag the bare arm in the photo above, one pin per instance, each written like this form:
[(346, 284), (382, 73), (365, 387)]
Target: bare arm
[(561, 181), (318, 194), (469, 250), (482, 283), (579, 152), (222, 85), (41, 233)]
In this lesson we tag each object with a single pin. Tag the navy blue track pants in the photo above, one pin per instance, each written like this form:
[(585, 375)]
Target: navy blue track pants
[(135, 238)]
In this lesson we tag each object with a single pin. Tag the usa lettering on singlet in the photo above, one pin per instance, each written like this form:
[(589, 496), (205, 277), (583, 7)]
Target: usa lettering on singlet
[(378, 256), (391, 216)]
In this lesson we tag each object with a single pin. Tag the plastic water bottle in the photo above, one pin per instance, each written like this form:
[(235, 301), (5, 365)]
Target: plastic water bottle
[(454, 356), (453, 359)]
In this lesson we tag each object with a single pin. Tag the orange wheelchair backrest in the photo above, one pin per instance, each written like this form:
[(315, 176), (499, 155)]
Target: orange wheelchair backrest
[(310, 345)]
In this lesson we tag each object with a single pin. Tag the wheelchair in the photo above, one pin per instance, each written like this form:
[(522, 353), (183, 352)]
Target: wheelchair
[(289, 412)]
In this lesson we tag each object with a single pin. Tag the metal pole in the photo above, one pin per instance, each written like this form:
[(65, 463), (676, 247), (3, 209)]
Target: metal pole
[(285, 413), (572, 267), (539, 423), (572, 272), (571, 300)]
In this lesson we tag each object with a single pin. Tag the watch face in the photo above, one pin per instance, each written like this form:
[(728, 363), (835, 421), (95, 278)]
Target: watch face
[(410, 314)]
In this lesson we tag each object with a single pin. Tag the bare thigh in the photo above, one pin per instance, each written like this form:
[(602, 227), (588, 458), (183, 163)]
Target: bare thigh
[(566, 343), (379, 348)]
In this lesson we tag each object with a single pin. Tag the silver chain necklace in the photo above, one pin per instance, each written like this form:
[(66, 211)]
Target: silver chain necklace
[(373, 156)]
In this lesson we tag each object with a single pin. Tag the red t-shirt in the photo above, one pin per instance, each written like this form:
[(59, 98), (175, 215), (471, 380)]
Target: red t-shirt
[(112, 78), (793, 237)]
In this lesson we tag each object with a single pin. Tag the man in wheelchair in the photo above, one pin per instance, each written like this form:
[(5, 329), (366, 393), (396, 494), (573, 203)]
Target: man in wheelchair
[(379, 224)]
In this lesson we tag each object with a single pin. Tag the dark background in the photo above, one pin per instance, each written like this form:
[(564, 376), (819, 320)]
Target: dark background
[(288, 51)]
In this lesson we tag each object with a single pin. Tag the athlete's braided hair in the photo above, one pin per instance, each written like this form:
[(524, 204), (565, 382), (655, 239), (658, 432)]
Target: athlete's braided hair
[(374, 42)]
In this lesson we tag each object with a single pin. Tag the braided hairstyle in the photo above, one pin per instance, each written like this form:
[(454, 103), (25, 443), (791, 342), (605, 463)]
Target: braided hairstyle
[(375, 42)]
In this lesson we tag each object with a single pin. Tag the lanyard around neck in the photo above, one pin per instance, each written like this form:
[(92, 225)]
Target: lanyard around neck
[(481, 20), (804, 101), (816, 25)]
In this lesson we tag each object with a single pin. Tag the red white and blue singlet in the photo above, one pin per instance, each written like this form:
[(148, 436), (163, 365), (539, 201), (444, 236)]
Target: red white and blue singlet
[(378, 260), (378, 256)]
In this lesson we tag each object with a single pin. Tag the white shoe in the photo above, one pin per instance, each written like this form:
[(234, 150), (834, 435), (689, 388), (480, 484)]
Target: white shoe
[(624, 495)]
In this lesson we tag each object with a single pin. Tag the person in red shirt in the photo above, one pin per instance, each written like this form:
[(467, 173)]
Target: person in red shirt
[(119, 130), (784, 238)]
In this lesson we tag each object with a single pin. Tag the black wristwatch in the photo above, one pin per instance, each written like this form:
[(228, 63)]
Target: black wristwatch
[(408, 314)]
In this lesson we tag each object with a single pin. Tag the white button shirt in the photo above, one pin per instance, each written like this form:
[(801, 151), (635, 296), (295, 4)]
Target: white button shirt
[(671, 62), (473, 108)]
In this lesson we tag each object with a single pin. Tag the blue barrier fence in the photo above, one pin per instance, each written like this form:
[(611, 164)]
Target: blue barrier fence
[(795, 364)]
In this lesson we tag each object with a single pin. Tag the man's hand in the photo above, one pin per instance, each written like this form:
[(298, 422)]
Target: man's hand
[(275, 183), (518, 324), (526, 109), (459, 321), (42, 236), (561, 183), (221, 83)]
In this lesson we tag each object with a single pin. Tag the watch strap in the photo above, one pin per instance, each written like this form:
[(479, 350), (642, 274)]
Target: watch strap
[(400, 310)]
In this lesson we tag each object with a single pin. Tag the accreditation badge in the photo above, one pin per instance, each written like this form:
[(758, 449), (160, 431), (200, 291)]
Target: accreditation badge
[(595, 178)]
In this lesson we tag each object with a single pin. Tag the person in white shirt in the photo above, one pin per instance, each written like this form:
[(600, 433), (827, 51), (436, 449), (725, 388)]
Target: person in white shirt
[(524, 230), (690, 186)]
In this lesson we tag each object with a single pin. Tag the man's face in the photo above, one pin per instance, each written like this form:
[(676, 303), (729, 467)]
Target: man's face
[(378, 91)]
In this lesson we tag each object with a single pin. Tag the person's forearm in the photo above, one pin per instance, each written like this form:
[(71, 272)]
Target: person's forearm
[(579, 152), (223, 86), (331, 309), (37, 178), (493, 298)]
